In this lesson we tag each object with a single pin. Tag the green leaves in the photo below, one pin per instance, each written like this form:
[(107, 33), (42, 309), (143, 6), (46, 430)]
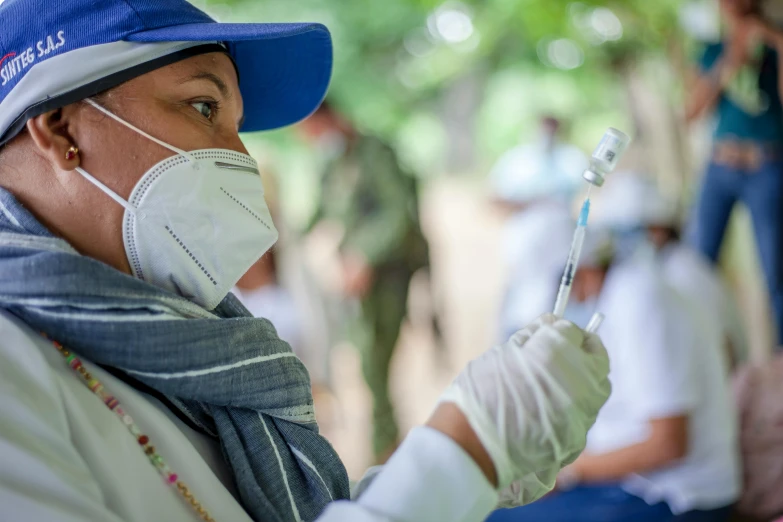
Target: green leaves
[(396, 59)]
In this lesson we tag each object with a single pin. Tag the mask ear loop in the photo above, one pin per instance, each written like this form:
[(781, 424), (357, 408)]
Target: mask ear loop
[(113, 116), (109, 192)]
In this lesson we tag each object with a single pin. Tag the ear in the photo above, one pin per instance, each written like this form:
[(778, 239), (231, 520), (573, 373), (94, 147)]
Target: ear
[(50, 134)]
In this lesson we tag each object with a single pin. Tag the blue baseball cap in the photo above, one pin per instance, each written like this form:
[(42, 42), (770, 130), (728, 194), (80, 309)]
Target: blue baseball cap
[(56, 53)]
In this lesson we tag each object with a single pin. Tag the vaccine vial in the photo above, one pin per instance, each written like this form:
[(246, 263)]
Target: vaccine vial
[(606, 155)]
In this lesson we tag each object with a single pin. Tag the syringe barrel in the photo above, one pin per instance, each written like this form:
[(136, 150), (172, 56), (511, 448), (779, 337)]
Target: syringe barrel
[(564, 292), (606, 156), (576, 246)]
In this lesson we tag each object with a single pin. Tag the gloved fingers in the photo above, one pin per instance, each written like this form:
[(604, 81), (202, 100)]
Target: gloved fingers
[(529, 488), (594, 346), (590, 342), (595, 357), (523, 335), (574, 335), (598, 360), (546, 319), (511, 496), (531, 408), (580, 376), (570, 459)]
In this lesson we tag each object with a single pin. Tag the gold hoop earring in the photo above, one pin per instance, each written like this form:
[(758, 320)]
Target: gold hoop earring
[(71, 153)]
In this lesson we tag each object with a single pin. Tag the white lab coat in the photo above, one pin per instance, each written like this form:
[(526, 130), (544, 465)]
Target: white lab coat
[(65, 457)]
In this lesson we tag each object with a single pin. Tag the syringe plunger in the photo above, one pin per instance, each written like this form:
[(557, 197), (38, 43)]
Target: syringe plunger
[(606, 156)]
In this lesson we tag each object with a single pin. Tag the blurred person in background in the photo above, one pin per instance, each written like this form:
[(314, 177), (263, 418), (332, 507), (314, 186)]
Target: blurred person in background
[(534, 184), (758, 390), (375, 202), (547, 165), (633, 206), (535, 242), (278, 288), (664, 446), (260, 291), (290, 307), (739, 84)]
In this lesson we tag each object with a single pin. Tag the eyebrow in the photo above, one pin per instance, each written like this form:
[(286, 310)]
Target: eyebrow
[(218, 82), (211, 77)]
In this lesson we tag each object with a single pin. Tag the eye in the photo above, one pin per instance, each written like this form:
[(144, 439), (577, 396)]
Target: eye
[(206, 109)]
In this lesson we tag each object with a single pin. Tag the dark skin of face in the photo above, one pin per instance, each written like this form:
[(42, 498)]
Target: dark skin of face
[(588, 282), (193, 104), (659, 236), (734, 9)]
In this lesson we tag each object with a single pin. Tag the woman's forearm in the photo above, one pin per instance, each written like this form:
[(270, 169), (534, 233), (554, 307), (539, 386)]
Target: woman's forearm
[(773, 36), (707, 89), (778, 45), (704, 95)]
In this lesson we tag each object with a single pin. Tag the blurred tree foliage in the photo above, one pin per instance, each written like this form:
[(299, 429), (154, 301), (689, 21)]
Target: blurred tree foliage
[(391, 75)]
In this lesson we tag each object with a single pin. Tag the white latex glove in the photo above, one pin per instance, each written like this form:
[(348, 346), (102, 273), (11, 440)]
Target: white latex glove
[(531, 402), (528, 489)]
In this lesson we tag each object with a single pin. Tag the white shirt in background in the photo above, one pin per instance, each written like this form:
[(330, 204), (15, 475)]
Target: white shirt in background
[(670, 370), (536, 242), (698, 281), (65, 457)]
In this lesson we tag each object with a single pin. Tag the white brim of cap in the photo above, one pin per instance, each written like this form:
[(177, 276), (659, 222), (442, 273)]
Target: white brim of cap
[(72, 71)]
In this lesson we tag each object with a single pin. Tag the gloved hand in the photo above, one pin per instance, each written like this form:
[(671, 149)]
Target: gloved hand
[(528, 489), (531, 402)]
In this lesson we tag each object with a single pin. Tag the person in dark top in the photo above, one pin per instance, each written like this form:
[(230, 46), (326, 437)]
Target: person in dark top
[(375, 200), (739, 85)]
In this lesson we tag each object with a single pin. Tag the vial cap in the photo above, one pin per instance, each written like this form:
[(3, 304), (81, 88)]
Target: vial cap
[(593, 178)]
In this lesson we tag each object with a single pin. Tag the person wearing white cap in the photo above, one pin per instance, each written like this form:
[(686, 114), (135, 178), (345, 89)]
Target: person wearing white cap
[(633, 203), (536, 240), (663, 447), (133, 385), (536, 182), (539, 169)]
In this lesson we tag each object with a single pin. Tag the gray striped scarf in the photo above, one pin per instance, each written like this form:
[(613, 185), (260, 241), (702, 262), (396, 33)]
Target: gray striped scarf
[(227, 372)]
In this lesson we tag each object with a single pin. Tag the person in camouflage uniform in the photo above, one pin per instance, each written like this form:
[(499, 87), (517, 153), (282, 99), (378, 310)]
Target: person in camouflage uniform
[(376, 202)]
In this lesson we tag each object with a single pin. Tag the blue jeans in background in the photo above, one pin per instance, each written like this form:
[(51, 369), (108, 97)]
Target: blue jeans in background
[(604, 503), (762, 193)]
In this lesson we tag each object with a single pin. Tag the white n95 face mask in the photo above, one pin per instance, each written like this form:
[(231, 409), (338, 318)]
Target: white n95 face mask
[(195, 222)]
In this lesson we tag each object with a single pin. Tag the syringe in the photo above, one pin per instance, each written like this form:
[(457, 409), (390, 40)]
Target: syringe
[(604, 160), (573, 259)]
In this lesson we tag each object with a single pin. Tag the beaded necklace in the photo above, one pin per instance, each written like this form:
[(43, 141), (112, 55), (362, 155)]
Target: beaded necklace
[(113, 404)]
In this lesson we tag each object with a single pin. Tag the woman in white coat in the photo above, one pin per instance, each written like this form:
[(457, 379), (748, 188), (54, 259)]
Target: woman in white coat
[(133, 386)]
